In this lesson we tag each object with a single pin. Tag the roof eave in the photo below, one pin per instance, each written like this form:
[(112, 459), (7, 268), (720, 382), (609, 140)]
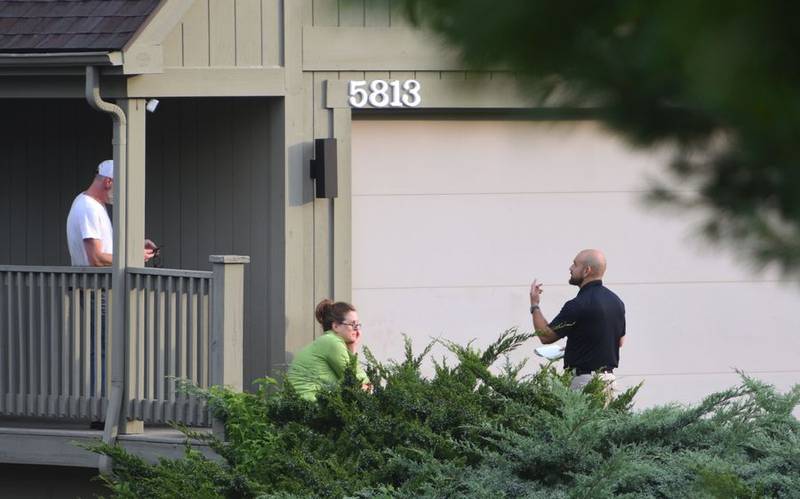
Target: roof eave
[(60, 59)]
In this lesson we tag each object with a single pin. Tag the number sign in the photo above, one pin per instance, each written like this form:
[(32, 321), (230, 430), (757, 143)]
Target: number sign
[(382, 93)]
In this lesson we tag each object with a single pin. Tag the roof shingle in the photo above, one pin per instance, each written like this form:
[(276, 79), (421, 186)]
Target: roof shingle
[(70, 25)]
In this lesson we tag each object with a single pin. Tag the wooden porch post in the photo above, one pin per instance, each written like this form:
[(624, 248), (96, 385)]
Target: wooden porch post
[(130, 231), (227, 324)]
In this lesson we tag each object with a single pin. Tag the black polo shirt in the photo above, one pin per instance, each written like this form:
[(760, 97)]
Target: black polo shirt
[(593, 323)]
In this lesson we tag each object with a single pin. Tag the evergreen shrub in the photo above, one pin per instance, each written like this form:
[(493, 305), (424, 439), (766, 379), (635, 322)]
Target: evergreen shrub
[(468, 431)]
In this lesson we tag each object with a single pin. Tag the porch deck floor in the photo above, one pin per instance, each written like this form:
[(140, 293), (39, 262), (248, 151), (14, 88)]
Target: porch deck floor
[(53, 442), (151, 432)]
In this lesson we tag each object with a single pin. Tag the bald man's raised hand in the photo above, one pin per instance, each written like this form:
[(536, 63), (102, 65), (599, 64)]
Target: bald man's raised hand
[(536, 292)]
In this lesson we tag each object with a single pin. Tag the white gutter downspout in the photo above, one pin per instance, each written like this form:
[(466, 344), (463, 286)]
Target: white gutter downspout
[(117, 340)]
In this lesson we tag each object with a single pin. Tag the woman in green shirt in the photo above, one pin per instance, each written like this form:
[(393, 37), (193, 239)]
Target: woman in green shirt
[(324, 361)]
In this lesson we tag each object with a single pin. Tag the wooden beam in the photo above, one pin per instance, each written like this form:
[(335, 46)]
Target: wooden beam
[(298, 195), (450, 94), (133, 233), (376, 49), (54, 87), (342, 209), (209, 82), (277, 246), (175, 82), (135, 111)]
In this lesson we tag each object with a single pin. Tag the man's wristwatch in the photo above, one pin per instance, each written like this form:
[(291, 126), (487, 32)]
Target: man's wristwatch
[(534, 307)]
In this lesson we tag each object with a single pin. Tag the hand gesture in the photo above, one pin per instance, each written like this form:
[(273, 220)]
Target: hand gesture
[(536, 292)]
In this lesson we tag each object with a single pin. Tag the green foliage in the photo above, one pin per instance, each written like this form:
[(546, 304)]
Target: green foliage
[(715, 79), (193, 476), (473, 430)]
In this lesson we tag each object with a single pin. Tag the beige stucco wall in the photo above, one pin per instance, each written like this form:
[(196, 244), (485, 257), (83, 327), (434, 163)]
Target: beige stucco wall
[(452, 219)]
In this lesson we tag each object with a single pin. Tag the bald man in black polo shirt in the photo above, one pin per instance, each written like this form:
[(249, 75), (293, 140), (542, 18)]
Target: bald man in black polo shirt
[(593, 322)]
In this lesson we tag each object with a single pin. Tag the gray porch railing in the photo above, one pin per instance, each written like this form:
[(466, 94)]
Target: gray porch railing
[(55, 320), (51, 320), (169, 338)]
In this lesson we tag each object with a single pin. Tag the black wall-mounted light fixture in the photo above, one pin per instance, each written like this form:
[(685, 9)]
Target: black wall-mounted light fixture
[(323, 168)]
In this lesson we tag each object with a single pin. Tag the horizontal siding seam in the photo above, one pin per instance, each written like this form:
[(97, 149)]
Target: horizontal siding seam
[(516, 193), (608, 283)]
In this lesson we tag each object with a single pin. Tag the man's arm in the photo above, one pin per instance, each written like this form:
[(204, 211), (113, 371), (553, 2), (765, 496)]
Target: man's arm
[(540, 324), (546, 335), (94, 253), (96, 257), (621, 341)]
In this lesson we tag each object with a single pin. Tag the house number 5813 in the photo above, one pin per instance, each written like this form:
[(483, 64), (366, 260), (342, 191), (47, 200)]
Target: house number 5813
[(382, 93)]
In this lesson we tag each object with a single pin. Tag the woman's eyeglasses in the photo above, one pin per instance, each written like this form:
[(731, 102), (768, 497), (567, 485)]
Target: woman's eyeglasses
[(354, 325)]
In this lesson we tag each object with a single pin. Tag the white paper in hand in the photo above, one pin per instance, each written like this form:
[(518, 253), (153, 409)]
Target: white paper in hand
[(550, 352)]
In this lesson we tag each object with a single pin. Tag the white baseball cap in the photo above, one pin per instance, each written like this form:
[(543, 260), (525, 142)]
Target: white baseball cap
[(106, 168)]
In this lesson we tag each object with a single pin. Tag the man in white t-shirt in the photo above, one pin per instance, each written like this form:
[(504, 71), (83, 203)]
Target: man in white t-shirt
[(89, 233), (90, 237)]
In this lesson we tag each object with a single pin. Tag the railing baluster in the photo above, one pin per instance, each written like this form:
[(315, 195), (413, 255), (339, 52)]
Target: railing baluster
[(85, 360), (183, 344), (75, 389), (66, 324), (172, 354), (3, 389), (55, 337), (31, 337), (191, 325), (96, 345), (12, 375), (20, 352), (162, 353), (140, 367), (109, 320), (150, 354), (44, 360), (93, 371), (5, 333), (132, 344), (205, 340), (8, 397), (205, 319)]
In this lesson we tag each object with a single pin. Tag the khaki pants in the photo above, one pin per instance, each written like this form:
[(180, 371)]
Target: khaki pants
[(578, 382)]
